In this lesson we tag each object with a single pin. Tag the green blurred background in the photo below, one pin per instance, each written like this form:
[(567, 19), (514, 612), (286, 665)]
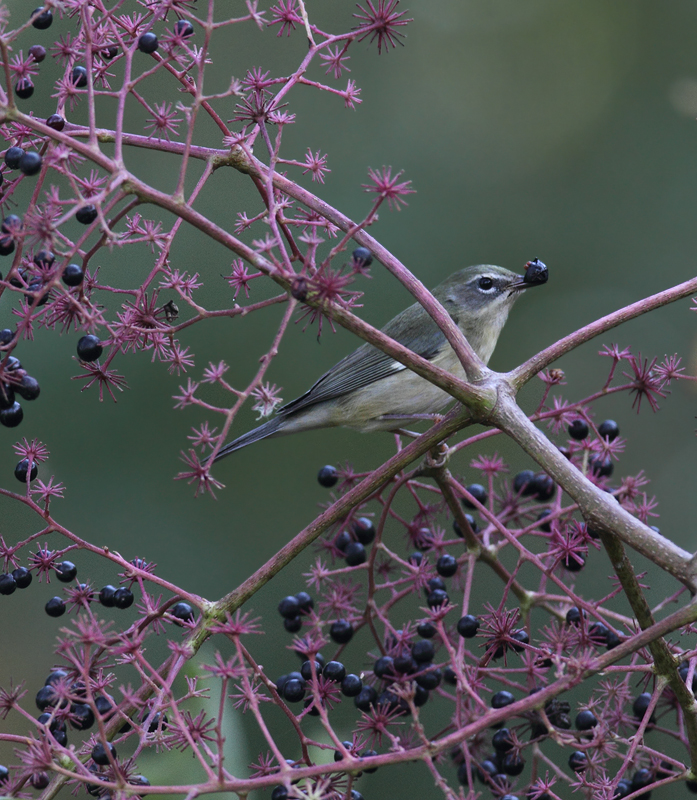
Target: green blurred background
[(545, 128)]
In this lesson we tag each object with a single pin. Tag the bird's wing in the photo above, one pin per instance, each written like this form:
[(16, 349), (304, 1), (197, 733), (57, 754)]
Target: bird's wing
[(368, 364)]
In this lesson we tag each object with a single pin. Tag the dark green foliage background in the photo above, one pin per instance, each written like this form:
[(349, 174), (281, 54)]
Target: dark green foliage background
[(547, 128)]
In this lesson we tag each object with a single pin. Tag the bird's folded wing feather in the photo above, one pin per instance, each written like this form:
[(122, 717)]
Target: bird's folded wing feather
[(368, 364)]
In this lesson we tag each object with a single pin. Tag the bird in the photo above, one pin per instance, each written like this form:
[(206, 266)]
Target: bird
[(370, 391)]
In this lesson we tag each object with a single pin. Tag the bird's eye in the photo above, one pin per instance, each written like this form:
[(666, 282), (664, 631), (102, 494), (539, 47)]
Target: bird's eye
[(486, 284)]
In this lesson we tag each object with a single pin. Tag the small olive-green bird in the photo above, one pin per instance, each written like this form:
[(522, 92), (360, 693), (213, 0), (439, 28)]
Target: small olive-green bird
[(370, 391)]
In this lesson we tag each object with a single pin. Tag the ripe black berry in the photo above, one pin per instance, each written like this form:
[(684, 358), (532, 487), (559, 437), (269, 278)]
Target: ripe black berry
[(522, 637), (545, 526), (641, 704), (294, 690), (362, 256), (28, 388), (79, 77), (99, 753), (502, 699), (107, 53), (426, 630), (22, 577), (89, 348), (383, 667), (86, 215), (55, 607), (544, 487), (601, 466), (334, 671), (513, 764), (578, 761), (364, 530), (22, 469), (327, 476), (73, 275), (523, 482), (341, 631), (13, 156), (81, 716), (351, 685), (478, 492), (37, 52), (289, 607), (123, 598), (446, 565), (293, 625), (468, 626), (585, 720), (279, 793), (7, 583), (429, 679), (366, 698), (184, 28), (423, 651), (437, 597), (355, 554), (106, 596), (56, 122), (39, 780), (502, 741), (24, 88), (30, 163), (306, 669), (305, 601), (573, 616), (147, 42), (609, 429), (6, 334), (182, 611), (578, 429), (7, 396), (43, 20), (66, 571)]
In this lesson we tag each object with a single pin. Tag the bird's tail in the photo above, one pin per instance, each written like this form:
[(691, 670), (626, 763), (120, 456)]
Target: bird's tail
[(267, 429)]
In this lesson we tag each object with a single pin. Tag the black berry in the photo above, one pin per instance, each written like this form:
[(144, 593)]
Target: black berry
[(609, 429), (334, 671), (13, 157), (502, 699), (523, 482), (55, 607), (341, 631), (56, 122), (585, 720), (43, 20), (30, 163), (578, 429), (24, 88), (362, 256), (28, 388), (294, 690), (7, 583), (79, 77), (66, 571), (351, 685), (364, 530), (89, 348), (289, 607), (182, 611), (478, 492), (147, 42), (446, 565), (355, 554), (73, 275), (99, 753), (123, 598), (106, 596), (22, 577), (468, 626), (366, 698), (327, 476), (86, 215), (22, 469), (184, 28)]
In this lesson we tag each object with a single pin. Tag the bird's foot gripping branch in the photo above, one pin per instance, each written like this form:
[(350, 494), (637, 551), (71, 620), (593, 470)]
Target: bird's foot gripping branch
[(449, 609)]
